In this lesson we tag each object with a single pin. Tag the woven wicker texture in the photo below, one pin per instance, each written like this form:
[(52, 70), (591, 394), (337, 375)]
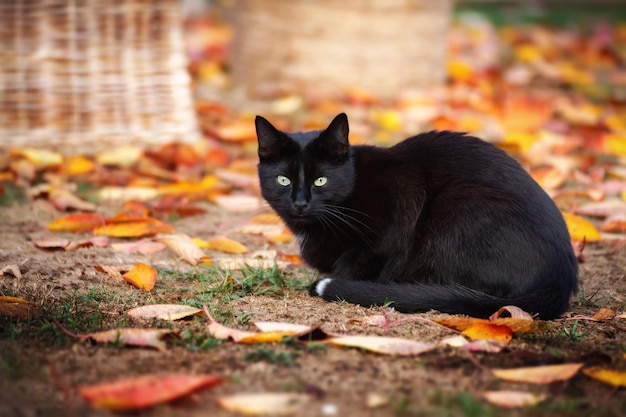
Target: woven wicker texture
[(379, 46), (87, 75)]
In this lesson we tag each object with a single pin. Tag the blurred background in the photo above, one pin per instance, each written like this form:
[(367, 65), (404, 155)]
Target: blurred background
[(81, 76)]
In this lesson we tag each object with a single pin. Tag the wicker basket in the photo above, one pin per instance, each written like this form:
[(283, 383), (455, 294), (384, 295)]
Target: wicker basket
[(86, 75), (374, 45)]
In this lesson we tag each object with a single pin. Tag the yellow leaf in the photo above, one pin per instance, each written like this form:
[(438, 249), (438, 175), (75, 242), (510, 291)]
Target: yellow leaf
[(225, 244), (460, 70), (141, 226), (141, 276), (40, 158), (608, 376), (77, 166), (581, 229), (539, 374), (122, 157), (521, 141), (18, 308), (527, 53), (614, 144)]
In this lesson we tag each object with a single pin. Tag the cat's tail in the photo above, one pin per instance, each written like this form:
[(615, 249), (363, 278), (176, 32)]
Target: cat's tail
[(548, 303)]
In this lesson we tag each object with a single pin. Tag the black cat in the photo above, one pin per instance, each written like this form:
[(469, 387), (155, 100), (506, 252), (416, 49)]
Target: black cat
[(439, 221)]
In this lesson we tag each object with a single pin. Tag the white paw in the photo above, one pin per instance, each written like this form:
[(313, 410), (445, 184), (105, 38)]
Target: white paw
[(321, 286)]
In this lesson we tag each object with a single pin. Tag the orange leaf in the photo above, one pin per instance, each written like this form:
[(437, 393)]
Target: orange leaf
[(77, 165), (488, 331), (608, 376), (142, 226), (78, 223), (141, 276), (581, 229), (236, 131), (267, 218), (539, 374), (145, 391)]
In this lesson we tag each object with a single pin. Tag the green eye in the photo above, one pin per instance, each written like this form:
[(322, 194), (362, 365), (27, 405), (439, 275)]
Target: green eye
[(321, 181), (282, 180)]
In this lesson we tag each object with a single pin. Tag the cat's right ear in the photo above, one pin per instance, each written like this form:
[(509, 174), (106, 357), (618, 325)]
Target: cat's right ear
[(269, 138)]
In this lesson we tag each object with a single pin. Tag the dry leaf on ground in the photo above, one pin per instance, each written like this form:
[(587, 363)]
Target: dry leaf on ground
[(141, 276), (513, 399), (539, 374), (163, 311), (144, 391), (267, 403), (608, 376), (184, 246)]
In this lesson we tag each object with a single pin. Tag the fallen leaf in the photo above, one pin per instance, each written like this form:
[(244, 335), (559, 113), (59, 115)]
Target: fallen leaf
[(41, 158), (63, 199), (122, 157), (137, 227), (484, 345), (264, 403), (97, 241), (51, 242), (18, 308), (266, 218), (113, 193), (224, 244), (144, 391), (608, 376), (152, 338), (489, 331), (141, 276), (604, 314), (539, 374), (79, 223), (384, 345), (513, 312), (114, 271), (219, 331), (513, 399), (12, 269), (143, 246), (163, 311), (182, 245), (581, 229)]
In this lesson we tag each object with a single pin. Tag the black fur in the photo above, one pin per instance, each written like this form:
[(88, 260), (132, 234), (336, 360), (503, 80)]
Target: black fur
[(439, 221)]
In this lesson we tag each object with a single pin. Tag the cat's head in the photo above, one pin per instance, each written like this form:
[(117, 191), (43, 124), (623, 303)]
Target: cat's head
[(302, 175)]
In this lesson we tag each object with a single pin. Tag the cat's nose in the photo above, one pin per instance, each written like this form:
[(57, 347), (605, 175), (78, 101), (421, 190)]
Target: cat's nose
[(299, 206)]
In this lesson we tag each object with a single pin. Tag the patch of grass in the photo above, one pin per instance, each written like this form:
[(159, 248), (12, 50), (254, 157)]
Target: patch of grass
[(11, 194), (276, 357), (462, 403), (585, 299), (572, 332), (198, 341), (232, 285)]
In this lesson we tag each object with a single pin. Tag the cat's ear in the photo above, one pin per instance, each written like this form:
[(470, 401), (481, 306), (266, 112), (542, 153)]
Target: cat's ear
[(269, 138), (334, 139)]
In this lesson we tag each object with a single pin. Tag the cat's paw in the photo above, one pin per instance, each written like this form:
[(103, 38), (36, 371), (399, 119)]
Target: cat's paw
[(317, 288)]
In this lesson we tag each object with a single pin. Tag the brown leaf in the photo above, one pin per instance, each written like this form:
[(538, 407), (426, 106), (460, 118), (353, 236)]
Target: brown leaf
[(539, 374), (143, 246), (163, 311), (18, 308), (384, 345)]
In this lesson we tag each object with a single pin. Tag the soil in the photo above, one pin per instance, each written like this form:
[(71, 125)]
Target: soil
[(40, 368)]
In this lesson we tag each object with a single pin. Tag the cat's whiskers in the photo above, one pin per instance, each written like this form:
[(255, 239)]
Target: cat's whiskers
[(330, 212)]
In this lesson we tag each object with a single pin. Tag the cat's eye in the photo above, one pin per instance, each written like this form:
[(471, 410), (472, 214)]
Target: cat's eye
[(321, 181), (282, 180)]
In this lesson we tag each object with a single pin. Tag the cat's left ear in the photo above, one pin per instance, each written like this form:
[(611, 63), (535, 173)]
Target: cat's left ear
[(269, 138), (335, 138)]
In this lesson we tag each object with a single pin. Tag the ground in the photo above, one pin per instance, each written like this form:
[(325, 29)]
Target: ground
[(40, 368)]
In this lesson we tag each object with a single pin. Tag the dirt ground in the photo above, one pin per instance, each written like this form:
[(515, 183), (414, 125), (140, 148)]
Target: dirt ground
[(40, 367)]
